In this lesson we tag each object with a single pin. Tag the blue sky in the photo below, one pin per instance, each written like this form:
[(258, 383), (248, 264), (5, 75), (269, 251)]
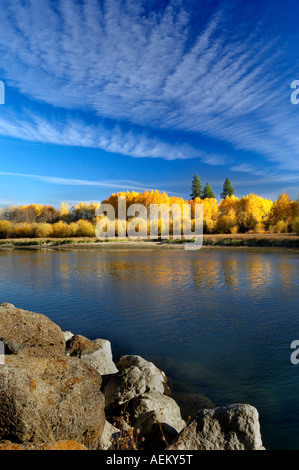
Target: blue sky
[(109, 95)]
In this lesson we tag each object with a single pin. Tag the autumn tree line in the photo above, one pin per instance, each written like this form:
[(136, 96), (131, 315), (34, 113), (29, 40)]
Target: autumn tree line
[(231, 215)]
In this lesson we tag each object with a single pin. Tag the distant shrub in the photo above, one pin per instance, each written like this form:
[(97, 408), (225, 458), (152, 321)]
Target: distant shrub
[(227, 224), (85, 229), (23, 230), (227, 221), (5, 229), (282, 214), (43, 230), (60, 230), (73, 229), (295, 225), (210, 213), (281, 227), (246, 222)]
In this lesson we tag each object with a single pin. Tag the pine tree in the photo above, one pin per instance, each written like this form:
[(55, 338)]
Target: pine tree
[(196, 188), (228, 190), (208, 193)]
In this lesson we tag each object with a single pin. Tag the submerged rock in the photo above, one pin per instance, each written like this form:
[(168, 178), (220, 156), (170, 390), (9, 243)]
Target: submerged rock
[(233, 427), (191, 403)]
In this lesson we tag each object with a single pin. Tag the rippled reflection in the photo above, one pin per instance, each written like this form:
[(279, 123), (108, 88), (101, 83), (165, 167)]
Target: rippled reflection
[(219, 322)]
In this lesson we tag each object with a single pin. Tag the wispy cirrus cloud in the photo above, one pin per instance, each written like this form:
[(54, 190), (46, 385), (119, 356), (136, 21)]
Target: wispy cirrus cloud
[(120, 185), (73, 131), (265, 176), (143, 66)]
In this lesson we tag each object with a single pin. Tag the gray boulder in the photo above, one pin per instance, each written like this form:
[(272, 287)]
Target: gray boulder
[(121, 438), (136, 377), (108, 437), (124, 386), (67, 335), (233, 427), (97, 353), (163, 408), (156, 380), (158, 420)]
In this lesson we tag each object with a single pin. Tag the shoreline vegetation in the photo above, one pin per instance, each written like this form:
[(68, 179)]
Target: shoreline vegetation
[(159, 215), (248, 240), (247, 223)]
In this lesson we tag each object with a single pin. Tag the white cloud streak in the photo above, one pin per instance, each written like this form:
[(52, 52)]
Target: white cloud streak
[(121, 62), (75, 132), (119, 185)]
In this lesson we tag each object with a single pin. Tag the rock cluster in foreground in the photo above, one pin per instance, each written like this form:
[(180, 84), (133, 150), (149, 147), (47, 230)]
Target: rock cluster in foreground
[(60, 391)]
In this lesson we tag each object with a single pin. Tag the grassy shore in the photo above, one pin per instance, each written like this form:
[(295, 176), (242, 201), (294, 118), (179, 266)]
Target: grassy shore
[(261, 240)]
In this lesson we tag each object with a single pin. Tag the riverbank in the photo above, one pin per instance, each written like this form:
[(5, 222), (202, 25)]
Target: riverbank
[(248, 240), (63, 391)]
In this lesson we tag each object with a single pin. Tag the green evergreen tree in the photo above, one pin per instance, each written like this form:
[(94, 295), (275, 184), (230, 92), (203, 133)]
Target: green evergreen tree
[(196, 188), (207, 192), (228, 190)]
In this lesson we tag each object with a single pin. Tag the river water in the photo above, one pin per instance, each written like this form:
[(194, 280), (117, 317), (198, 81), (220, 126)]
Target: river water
[(219, 322)]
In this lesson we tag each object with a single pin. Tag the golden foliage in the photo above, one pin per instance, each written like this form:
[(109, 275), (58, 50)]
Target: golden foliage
[(282, 214), (251, 213)]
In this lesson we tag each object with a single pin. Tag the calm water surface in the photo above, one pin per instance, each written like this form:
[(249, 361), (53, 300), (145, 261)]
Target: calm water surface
[(220, 323)]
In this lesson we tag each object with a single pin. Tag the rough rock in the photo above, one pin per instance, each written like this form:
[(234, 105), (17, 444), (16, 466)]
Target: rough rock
[(67, 335), (50, 399), (156, 380), (60, 445), (65, 445), (124, 386), (136, 377), (165, 408), (115, 438), (78, 345), (158, 420), (233, 427), (29, 334), (96, 353), (108, 437)]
